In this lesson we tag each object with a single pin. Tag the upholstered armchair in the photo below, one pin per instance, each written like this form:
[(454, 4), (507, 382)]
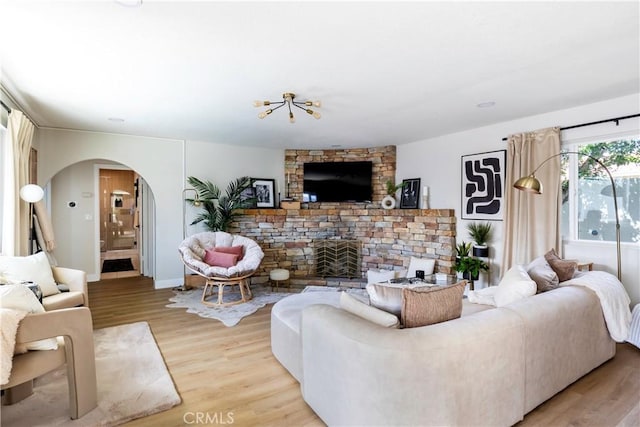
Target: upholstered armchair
[(78, 294), (76, 349)]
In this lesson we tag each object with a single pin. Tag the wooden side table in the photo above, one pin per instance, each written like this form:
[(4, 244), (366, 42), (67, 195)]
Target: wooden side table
[(585, 266)]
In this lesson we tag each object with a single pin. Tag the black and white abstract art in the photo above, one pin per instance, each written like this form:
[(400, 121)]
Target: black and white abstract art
[(483, 185)]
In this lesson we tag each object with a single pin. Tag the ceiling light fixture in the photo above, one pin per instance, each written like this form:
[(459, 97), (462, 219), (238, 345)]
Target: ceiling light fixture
[(289, 101)]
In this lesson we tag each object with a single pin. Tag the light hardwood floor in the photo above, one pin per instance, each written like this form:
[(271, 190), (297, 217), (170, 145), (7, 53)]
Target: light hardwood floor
[(229, 374)]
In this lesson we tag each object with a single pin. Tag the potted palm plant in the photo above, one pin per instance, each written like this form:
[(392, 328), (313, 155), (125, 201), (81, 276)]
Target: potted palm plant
[(480, 232), (219, 210)]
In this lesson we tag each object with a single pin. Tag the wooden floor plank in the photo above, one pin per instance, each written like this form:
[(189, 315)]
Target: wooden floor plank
[(223, 372)]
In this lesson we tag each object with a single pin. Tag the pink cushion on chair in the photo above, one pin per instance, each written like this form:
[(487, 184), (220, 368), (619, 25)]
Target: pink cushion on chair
[(236, 250), (220, 259)]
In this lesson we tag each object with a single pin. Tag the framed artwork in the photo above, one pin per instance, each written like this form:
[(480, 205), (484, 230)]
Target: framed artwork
[(483, 185), (265, 192), (410, 193), (249, 193)]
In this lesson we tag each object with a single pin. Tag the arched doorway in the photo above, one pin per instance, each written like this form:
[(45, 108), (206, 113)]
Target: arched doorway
[(95, 221)]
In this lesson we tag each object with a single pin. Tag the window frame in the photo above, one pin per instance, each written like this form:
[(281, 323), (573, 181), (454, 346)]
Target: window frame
[(572, 173)]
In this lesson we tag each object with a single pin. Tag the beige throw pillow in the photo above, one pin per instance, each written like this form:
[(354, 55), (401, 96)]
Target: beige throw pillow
[(32, 268), (541, 272), (429, 305), (367, 312), (565, 269)]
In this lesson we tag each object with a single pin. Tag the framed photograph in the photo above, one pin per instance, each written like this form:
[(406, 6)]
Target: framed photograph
[(249, 193), (483, 185), (265, 192), (410, 193)]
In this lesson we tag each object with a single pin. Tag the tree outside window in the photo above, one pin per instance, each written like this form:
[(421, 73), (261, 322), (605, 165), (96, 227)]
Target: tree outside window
[(588, 208)]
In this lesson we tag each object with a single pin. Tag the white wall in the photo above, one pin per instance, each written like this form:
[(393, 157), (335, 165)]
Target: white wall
[(163, 163), (437, 161)]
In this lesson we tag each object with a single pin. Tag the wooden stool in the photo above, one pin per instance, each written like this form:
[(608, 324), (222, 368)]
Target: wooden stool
[(278, 275)]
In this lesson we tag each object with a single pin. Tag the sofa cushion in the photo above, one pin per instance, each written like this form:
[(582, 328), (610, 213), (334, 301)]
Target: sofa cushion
[(367, 312), (429, 305), (20, 297), (62, 300), (565, 269), (515, 285), (541, 272), (33, 268), (425, 264)]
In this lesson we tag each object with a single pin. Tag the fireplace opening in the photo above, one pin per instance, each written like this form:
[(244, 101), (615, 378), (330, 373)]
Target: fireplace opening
[(337, 258)]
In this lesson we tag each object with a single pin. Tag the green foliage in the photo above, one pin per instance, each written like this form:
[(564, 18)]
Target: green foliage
[(462, 249), (480, 232), (471, 265), (612, 154), (219, 211), (393, 189)]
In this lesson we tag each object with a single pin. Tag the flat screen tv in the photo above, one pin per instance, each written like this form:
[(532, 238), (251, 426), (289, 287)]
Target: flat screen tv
[(337, 182)]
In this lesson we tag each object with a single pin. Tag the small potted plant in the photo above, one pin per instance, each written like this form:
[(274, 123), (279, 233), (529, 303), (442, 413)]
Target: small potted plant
[(389, 201), (470, 268), (480, 232)]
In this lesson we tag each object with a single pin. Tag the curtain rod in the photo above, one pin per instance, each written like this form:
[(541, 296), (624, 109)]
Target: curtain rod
[(615, 119), (5, 106)]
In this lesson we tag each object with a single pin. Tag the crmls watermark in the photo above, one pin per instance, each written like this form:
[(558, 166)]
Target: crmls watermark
[(221, 418)]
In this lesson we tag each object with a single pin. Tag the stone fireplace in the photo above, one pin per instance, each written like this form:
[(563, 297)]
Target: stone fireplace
[(337, 258)]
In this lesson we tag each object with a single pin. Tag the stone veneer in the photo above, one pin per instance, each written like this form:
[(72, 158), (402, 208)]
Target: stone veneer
[(383, 161), (389, 237)]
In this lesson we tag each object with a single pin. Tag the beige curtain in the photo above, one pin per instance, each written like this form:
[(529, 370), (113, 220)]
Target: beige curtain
[(532, 221), (15, 226)]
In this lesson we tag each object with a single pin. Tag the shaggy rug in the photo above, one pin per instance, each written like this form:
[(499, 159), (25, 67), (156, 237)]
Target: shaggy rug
[(133, 382), (230, 315)]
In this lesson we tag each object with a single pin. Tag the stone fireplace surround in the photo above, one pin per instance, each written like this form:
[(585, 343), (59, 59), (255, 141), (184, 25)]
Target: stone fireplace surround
[(389, 237)]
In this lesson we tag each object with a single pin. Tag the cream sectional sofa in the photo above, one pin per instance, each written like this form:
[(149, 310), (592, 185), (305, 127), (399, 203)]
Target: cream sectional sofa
[(489, 367)]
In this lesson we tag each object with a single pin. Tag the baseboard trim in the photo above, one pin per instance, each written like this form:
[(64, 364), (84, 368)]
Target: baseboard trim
[(168, 283)]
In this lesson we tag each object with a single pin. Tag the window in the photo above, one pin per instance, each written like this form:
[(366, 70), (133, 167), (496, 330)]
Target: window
[(588, 209)]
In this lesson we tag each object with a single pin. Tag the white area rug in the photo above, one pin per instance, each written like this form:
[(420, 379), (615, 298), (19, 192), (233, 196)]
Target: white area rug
[(230, 315), (133, 382)]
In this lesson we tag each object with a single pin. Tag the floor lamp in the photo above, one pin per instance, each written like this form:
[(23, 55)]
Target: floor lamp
[(31, 194), (531, 184)]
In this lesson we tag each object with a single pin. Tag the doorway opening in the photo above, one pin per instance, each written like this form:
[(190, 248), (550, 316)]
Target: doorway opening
[(119, 223)]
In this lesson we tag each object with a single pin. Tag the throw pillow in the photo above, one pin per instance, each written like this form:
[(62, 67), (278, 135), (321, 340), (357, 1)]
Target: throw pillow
[(235, 250), (20, 297), (220, 259), (375, 276), (33, 268), (430, 305), (386, 297), (565, 269), (515, 285), (425, 264), (367, 312), (541, 272)]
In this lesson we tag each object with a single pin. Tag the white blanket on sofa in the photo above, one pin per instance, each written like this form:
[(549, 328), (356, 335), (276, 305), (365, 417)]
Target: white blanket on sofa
[(613, 299), (9, 321)]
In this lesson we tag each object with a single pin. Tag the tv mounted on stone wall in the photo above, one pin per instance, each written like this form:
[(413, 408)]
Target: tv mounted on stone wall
[(338, 182)]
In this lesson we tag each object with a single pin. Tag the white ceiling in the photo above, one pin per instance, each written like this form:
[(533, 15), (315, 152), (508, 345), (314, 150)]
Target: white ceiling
[(386, 72)]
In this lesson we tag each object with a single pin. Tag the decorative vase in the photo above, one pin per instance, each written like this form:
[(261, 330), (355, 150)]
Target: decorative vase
[(388, 202)]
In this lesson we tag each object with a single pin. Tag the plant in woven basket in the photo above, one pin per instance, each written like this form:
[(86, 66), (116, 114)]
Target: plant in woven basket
[(219, 211)]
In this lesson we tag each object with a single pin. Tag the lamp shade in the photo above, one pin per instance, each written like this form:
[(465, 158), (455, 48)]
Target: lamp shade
[(31, 193), (529, 183)]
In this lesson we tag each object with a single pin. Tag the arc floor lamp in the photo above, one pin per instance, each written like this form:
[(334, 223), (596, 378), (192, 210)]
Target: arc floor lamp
[(531, 184)]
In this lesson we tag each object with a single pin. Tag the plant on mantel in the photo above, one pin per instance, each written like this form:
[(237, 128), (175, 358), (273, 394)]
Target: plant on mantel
[(389, 201), (219, 211)]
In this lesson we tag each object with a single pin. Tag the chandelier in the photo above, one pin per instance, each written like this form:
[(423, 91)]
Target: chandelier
[(289, 101)]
